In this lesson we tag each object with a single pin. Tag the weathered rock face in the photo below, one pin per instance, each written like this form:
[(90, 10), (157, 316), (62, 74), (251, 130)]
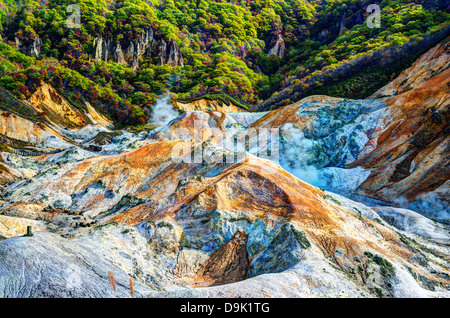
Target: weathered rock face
[(228, 264), (33, 48), (119, 55), (413, 148), (284, 251), (46, 100), (207, 105), (51, 123), (16, 127), (7, 175), (102, 49), (133, 51), (36, 46), (189, 262), (170, 54), (276, 43), (342, 24)]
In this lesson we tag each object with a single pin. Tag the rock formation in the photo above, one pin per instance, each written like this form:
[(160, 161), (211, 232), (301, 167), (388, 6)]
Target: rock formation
[(102, 49), (119, 55), (32, 48), (131, 52), (170, 54), (18, 128), (276, 42), (35, 48), (207, 105), (342, 24)]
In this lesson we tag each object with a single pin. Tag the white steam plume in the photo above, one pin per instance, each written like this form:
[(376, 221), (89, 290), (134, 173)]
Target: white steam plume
[(163, 112), (296, 156)]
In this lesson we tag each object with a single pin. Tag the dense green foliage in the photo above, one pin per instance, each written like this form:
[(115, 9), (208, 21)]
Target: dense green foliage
[(223, 43)]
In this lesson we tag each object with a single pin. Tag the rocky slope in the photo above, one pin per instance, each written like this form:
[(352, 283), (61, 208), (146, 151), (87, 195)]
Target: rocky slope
[(55, 109), (177, 227), (44, 124), (46, 120), (276, 42), (16, 127)]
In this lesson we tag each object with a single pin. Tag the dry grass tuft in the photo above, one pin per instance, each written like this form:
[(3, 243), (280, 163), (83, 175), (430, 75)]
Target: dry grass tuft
[(131, 287), (111, 280)]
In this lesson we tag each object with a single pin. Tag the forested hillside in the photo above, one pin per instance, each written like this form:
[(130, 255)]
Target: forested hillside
[(127, 53)]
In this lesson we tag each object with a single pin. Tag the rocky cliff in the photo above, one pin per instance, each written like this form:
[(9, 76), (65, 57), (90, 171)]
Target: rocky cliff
[(276, 42), (131, 52), (207, 105), (395, 147), (412, 150), (31, 47), (16, 127)]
